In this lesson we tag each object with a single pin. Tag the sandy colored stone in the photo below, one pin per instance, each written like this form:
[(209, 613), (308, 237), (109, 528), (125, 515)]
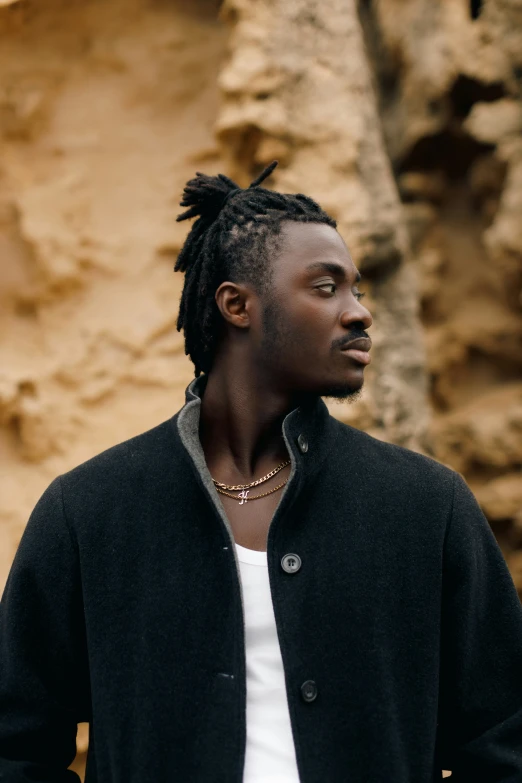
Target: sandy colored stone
[(494, 122), (514, 561), (488, 434), (501, 498), (423, 186), (450, 103), (97, 145), (423, 50)]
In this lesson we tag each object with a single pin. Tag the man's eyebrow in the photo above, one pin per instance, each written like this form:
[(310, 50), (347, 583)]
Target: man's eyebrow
[(333, 268)]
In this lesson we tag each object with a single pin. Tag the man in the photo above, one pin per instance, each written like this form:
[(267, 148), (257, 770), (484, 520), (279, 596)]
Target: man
[(253, 591)]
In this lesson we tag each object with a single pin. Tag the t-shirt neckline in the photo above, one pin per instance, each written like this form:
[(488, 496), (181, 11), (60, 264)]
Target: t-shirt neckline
[(251, 556)]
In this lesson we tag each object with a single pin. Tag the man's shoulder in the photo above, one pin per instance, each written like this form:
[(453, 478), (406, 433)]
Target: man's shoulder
[(382, 457), (125, 460)]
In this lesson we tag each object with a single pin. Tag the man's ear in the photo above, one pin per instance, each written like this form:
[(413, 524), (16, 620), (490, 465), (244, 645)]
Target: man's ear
[(233, 301)]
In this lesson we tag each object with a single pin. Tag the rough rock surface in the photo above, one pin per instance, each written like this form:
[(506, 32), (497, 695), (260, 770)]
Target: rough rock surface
[(107, 108), (449, 79)]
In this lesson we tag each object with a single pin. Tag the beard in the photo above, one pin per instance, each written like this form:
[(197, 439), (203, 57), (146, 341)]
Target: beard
[(278, 341), (343, 393)]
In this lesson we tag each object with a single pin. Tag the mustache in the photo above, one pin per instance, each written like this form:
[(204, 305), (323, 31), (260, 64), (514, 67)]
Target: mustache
[(354, 334)]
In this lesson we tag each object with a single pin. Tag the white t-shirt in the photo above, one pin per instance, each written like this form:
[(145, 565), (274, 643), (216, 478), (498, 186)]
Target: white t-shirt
[(270, 752)]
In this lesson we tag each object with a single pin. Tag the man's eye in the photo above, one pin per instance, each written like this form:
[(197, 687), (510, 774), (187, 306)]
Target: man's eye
[(358, 295), (331, 286)]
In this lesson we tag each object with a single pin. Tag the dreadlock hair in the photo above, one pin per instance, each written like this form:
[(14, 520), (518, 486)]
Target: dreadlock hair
[(235, 234)]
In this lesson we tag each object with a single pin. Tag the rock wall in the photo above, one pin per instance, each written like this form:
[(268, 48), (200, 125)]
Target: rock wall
[(449, 80), (106, 109)]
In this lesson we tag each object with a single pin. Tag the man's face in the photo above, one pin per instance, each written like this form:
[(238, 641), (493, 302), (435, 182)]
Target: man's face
[(311, 313)]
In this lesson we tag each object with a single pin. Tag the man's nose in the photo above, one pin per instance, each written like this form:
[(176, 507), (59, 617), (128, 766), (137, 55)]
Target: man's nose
[(357, 313)]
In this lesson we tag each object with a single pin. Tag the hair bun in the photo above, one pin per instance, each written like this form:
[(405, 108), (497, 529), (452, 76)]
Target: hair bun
[(207, 195)]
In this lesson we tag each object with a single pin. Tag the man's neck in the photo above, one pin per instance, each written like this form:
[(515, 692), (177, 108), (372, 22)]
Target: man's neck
[(241, 426)]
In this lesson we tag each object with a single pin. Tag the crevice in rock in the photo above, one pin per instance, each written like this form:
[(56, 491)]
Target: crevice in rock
[(475, 8), (466, 92), (386, 71), (450, 151)]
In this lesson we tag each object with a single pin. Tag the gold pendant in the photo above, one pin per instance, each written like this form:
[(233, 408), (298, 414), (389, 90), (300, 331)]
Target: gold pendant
[(243, 495)]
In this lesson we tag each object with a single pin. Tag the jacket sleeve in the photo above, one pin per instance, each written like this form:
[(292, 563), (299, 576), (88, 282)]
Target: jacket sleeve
[(480, 699), (43, 670)]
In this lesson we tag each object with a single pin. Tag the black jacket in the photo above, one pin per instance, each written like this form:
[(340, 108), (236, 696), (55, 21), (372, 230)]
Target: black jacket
[(123, 608)]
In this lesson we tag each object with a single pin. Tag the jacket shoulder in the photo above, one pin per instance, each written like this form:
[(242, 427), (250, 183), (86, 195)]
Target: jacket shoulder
[(126, 460), (390, 458)]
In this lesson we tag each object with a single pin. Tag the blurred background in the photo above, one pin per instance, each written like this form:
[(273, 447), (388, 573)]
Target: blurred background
[(403, 118)]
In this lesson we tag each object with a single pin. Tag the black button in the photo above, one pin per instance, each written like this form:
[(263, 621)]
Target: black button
[(302, 443), (309, 690), (291, 563)]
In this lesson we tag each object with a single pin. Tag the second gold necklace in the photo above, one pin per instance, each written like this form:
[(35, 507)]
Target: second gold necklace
[(245, 488)]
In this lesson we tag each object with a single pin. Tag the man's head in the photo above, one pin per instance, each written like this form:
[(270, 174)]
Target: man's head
[(268, 272)]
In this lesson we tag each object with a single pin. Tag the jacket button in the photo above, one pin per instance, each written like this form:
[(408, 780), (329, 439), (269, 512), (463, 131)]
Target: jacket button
[(309, 690), (302, 443), (291, 563)]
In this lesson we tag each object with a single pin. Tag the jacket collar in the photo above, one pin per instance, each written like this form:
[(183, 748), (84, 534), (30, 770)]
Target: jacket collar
[(308, 430), (309, 435)]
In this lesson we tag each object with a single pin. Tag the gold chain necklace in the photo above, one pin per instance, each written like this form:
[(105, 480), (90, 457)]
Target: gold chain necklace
[(252, 483), (244, 494), (245, 488)]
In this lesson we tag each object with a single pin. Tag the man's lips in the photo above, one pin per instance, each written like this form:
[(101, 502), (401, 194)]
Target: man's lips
[(358, 349), (360, 344)]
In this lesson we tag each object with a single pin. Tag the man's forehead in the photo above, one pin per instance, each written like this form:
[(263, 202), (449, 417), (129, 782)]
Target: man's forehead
[(306, 243)]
